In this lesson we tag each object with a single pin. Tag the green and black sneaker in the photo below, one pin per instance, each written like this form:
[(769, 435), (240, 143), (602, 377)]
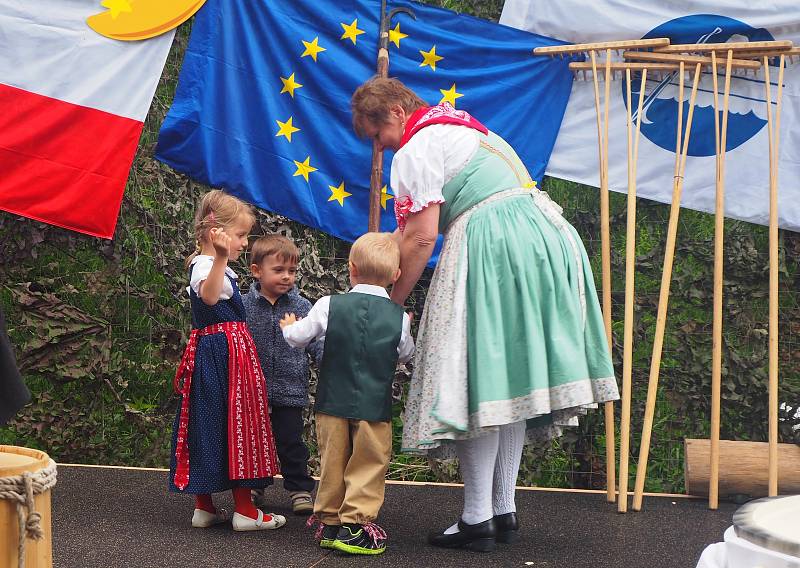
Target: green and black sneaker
[(328, 535), (361, 539)]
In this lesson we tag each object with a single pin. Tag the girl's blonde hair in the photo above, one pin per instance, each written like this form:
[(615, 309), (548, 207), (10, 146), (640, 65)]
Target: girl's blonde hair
[(377, 258), (217, 209), (372, 100)]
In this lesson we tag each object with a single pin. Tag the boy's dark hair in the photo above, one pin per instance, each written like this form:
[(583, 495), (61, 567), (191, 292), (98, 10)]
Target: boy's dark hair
[(277, 245)]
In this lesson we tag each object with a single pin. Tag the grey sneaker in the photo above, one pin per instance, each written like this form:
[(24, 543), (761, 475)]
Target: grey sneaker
[(302, 503)]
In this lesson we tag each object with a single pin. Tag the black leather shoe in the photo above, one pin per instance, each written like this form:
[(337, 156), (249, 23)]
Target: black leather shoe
[(479, 537), (507, 528)]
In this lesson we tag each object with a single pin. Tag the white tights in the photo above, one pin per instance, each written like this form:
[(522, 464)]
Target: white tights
[(489, 466)]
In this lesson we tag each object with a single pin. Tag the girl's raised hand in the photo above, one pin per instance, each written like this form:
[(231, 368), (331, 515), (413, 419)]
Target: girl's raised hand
[(221, 241)]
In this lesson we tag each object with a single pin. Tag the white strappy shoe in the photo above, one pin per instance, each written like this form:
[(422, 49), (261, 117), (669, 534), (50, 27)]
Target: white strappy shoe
[(263, 522), (203, 519)]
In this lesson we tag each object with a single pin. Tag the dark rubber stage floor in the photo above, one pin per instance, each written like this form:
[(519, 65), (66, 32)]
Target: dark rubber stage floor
[(111, 517)]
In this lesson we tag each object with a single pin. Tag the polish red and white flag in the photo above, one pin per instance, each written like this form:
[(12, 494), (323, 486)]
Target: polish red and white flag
[(72, 108)]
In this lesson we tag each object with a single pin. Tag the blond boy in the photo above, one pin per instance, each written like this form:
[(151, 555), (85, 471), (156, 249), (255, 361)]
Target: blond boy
[(365, 335)]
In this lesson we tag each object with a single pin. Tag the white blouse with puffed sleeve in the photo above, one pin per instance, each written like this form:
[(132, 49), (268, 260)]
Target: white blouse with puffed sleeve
[(421, 168), (201, 266)]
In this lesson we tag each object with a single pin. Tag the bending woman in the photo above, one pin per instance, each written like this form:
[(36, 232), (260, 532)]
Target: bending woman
[(511, 342)]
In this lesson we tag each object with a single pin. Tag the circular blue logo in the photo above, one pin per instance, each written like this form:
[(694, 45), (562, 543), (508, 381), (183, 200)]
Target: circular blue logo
[(747, 102)]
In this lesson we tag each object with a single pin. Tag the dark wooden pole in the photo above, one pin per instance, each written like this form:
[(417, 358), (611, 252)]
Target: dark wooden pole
[(376, 175)]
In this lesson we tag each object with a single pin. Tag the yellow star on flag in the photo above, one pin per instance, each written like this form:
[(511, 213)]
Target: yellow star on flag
[(396, 35), (312, 48), (289, 85), (116, 6), (351, 32), (530, 185), (286, 129), (338, 194), (430, 58), (385, 196), (304, 168), (450, 95)]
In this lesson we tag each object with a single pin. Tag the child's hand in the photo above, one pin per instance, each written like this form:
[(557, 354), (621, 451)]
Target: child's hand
[(221, 241), (288, 319), (410, 317)]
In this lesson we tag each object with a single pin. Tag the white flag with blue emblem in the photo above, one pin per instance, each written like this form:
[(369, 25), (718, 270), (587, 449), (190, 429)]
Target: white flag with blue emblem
[(747, 159)]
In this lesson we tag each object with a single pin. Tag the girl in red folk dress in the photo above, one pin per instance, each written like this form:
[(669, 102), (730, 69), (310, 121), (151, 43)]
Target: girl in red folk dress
[(222, 438)]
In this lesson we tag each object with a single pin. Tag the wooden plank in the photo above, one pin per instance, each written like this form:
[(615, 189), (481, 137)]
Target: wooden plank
[(602, 46), (622, 65), (720, 47), (794, 52), (688, 59), (743, 468)]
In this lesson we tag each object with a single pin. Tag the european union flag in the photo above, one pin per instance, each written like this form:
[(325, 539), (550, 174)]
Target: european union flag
[(262, 107)]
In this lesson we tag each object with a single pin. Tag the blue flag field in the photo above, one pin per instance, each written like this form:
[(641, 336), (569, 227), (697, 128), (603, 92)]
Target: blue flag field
[(262, 107)]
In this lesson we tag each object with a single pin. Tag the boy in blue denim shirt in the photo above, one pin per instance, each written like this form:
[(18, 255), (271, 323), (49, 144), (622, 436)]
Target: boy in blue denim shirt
[(274, 268)]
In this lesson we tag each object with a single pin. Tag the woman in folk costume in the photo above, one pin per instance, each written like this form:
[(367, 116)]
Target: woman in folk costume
[(222, 438), (511, 344)]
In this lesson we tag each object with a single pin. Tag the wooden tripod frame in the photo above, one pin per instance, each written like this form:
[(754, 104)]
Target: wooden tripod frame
[(750, 57), (681, 150), (743, 51), (602, 145)]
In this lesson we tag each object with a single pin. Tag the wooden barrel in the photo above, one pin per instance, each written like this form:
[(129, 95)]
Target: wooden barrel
[(38, 553)]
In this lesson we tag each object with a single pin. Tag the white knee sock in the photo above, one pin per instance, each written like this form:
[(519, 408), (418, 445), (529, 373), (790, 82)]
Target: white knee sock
[(477, 459), (506, 468)]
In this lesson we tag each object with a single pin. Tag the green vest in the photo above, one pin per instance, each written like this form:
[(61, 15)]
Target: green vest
[(360, 357)]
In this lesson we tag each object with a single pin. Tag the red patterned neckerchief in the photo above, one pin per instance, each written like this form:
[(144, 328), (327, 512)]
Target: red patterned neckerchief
[(443, 113), (251, 447)]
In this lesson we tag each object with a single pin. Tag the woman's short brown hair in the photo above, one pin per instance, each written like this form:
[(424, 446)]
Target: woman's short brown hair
[(372, 100)]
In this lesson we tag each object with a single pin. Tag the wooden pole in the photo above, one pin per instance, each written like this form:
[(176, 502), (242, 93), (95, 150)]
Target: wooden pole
[(719, 230), (376, 171), (741, 48), (614, 66), (774, 139), (689, 59), (376, 176), (606, 279), (607, 46), (630, 267), (605, 244), (681, 151)]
